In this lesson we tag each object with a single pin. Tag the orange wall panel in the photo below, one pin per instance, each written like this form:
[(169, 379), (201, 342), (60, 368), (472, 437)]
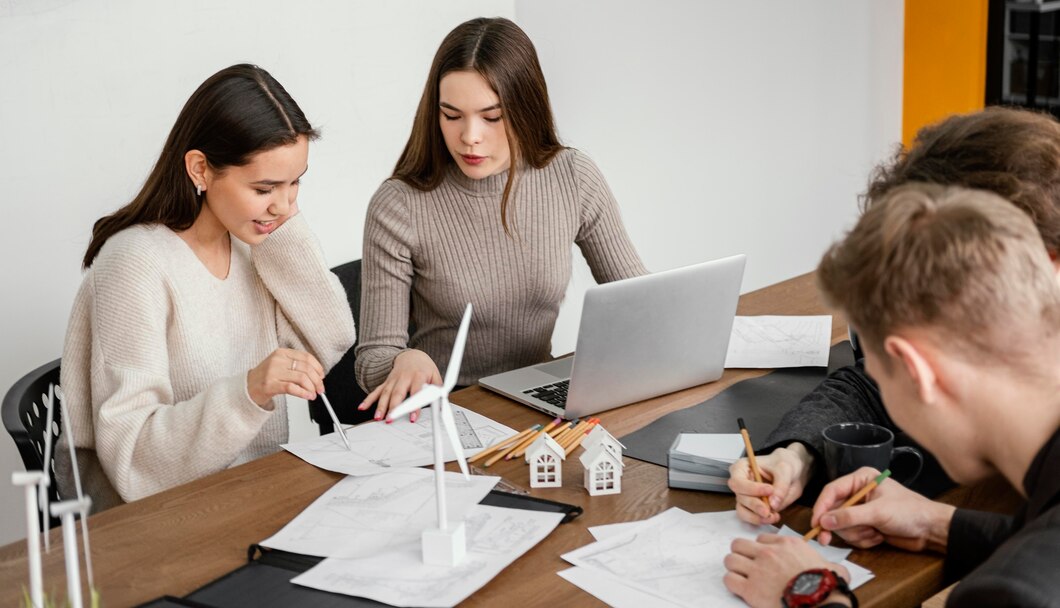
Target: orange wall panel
[(945, 61)]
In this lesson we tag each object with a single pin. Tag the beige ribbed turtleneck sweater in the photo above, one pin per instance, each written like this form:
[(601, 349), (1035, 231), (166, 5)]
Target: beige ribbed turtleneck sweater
[(427, 254)]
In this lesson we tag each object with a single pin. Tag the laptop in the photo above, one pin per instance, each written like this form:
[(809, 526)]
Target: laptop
[(639, 338)]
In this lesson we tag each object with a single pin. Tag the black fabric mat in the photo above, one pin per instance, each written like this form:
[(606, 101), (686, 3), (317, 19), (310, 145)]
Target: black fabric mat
[(761, 402)]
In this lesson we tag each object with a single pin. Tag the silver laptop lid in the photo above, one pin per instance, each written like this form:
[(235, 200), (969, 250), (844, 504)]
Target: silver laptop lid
[(655, 334)]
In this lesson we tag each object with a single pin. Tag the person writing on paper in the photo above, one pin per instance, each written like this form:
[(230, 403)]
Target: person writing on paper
[(483, 207), (957, 304), (1014, 153), (206, 301)]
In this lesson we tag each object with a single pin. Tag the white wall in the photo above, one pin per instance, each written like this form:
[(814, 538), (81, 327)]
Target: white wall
[(722, 127)]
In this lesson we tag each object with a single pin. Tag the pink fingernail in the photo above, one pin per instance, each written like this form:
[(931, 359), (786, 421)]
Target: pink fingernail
[(378, 417), (388, 421)]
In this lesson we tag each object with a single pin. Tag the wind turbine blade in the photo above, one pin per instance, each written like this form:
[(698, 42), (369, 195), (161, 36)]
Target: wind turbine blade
[(446, 412), (425, 396), (452, 373)]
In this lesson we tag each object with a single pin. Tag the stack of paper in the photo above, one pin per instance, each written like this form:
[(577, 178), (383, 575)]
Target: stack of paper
[(673, 559), (700, 461)]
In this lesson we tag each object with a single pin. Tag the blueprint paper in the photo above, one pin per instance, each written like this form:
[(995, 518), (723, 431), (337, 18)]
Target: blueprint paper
[(376, 447), (675, 556), (771, 341), (363, 515), (496, 537)]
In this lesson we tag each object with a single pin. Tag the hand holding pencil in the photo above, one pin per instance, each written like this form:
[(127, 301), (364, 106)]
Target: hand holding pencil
[(890, 513)]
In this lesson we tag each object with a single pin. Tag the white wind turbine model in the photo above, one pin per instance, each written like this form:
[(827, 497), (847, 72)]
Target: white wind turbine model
[(445, 545)]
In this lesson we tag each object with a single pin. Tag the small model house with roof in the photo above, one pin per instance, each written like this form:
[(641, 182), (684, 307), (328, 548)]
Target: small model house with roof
[(546, 458), (603, 470), (599, 435)]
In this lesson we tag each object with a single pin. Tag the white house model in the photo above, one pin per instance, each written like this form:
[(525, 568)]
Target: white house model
[(603, 471), (599, 435), (546, 458)]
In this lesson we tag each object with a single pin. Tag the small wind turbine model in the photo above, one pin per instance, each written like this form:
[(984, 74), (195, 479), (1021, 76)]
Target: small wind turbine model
[(66, 510), (445, 545)]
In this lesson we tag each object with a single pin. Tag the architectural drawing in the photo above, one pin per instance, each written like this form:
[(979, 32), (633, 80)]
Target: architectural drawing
[(397, 576), (676, 556), (376, 446), (770, 341), (362, 515)]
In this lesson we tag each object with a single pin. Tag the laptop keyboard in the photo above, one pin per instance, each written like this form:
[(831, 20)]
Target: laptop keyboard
[(553, 394)]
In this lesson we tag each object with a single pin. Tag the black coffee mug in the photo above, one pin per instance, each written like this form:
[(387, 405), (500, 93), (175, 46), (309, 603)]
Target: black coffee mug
[(848, 446)]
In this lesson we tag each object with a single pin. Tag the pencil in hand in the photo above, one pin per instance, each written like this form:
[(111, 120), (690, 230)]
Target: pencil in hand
[(751, 458), (862, 493)]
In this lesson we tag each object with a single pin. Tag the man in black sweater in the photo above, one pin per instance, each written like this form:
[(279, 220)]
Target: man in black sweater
[(1013, 153), (958, 309)]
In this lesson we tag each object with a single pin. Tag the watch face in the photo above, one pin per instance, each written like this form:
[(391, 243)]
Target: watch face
[(806, 583)]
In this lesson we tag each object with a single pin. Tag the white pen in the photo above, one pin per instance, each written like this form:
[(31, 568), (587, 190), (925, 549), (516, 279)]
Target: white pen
[(335, 420)]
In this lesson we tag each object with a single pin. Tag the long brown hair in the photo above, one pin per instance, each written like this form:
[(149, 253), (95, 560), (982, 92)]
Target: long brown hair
[(235, 114), (1010, 152), (504, 56)]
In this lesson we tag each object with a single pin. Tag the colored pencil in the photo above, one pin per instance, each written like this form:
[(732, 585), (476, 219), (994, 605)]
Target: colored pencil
[(862, 493), (520, 449), (751, 457), (503, 444), (562, 428), (504, 452), (573, 434), (578, 440)]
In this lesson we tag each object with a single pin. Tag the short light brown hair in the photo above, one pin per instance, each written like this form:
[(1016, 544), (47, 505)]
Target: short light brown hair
[(1010, 152), (957, 261)]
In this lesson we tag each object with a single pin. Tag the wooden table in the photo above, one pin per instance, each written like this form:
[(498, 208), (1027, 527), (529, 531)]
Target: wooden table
[(174, 542)]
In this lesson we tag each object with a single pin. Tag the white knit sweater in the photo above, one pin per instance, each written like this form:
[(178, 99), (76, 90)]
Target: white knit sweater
[(155, 363)]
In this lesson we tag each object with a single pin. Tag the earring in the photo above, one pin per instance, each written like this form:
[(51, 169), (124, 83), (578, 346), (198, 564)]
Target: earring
[(198, 189)]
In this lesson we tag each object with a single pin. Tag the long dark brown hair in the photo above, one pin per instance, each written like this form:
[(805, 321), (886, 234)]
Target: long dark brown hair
[(1010, 152), (504, 56), (235, 114)]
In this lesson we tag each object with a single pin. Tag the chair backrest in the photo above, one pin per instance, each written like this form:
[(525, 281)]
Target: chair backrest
[(24, 413), (341, 382)]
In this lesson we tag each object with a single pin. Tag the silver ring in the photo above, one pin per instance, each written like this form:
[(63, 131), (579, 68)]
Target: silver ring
[(294, 364)]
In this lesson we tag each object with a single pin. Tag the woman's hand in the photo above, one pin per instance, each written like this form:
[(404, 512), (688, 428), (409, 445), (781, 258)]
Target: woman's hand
[(285, 372), (412, 369), (759, 570), (786, 472), (891, 513)]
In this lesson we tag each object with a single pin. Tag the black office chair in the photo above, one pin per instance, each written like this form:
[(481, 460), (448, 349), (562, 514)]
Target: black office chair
[(341, 382), (24, 413)]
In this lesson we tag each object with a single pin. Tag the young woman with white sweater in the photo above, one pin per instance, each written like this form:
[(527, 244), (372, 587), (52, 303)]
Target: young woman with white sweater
[(207, 299)]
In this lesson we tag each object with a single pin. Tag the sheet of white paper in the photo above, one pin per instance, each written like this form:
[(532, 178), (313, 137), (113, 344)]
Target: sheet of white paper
[(675, 556), (724, 447), (771, 341), (496, 537), (363, 515), (603, 588), (376, 447)]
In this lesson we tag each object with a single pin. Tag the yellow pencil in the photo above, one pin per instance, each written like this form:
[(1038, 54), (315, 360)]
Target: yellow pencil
[(572, 434), (565, 430), (862, 493), (559, 430), (521, 447), (503, 444), (578, 440), (751, 457)]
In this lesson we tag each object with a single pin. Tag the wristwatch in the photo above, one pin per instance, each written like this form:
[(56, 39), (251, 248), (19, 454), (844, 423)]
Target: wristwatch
[(811, 587)]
